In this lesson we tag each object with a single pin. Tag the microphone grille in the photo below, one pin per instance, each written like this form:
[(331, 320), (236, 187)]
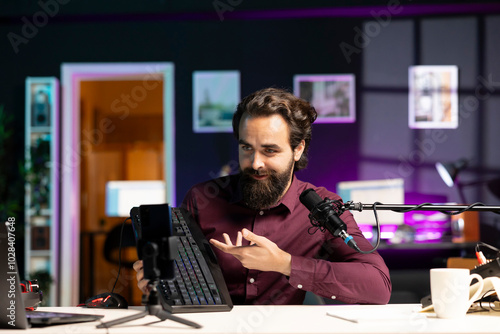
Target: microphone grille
[(310, 198)]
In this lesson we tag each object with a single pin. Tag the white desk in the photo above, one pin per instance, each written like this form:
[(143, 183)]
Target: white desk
[(393, 318)]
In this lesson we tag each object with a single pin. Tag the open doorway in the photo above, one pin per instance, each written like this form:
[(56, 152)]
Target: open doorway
[(118, 124), (121, 140)]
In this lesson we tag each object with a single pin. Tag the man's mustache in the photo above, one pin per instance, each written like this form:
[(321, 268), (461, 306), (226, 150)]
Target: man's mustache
[(251, 171)]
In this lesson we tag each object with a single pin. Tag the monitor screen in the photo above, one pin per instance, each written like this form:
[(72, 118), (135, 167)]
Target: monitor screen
[(121, 196), (386, 191)]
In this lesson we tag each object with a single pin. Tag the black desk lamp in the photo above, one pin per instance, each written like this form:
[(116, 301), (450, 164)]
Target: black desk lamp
[(494, 187), (449, 173)]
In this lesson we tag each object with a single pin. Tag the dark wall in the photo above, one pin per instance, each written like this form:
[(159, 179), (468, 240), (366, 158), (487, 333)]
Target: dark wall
[(268, 52)]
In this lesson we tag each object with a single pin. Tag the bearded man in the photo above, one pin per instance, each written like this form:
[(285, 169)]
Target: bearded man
[(261, 231)]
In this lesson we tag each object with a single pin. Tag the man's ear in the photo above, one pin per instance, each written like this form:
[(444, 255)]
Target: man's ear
[(297, 153)]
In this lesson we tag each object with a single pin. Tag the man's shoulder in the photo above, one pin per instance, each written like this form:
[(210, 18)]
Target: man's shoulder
[(218, 187), (212, 194), (223, 182)]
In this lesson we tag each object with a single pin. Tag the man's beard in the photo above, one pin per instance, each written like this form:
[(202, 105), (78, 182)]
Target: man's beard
[(262, 194)]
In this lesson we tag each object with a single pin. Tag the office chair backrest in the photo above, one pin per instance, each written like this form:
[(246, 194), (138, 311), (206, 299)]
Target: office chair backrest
[(112, 244)]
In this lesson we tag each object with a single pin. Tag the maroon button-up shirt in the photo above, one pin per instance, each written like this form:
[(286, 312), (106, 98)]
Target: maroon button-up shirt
[(321, 263)]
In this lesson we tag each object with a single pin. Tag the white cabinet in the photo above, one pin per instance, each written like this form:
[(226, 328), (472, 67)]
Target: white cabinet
[(42, 184)]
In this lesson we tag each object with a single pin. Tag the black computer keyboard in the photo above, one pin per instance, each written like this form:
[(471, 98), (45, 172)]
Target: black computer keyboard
[(198, 285)]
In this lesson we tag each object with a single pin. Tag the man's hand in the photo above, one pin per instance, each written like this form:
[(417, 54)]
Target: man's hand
[(262, 254), (142, 283)]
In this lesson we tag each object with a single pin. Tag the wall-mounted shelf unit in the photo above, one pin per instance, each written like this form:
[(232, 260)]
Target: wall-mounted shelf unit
[(42, 185)]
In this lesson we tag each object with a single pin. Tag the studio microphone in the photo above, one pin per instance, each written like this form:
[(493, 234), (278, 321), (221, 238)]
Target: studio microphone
[(324, 213)]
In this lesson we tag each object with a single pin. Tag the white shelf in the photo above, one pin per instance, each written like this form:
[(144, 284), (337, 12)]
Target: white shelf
[(41, 253), (42, 108), (42, 213), (41, 129)]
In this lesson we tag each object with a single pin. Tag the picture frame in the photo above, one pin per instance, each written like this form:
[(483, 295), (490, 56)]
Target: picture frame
[(433, 97), (216, 95), (332, 95), (42, 100)]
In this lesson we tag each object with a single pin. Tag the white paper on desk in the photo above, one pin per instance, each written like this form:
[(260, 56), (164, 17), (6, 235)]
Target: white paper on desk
[(383, 314), (491, 285)]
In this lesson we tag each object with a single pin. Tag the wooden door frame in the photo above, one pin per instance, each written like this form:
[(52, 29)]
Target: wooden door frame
[(68, 280)]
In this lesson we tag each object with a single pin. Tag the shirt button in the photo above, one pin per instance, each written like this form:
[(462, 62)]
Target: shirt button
[(252, 280), (299, 286), (334, 297), (261, 213)]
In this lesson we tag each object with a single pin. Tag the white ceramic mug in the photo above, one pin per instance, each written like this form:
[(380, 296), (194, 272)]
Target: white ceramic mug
[(450, 291)]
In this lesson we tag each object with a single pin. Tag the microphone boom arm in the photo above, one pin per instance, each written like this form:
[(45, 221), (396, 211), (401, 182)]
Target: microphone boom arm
[(445, 208)]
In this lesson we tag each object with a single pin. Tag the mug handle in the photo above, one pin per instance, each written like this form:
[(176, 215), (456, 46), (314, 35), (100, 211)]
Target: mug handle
[(479, 289)]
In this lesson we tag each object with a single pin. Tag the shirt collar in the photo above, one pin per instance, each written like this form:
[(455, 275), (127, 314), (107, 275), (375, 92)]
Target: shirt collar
[(291, 195), (236, 193)]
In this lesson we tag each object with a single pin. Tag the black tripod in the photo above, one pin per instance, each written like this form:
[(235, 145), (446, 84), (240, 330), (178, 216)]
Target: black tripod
[(153, 306)]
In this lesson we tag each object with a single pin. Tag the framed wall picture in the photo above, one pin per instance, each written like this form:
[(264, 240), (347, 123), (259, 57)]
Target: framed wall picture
[(215, 97), (332, 95), (433, 97), (41, 97)]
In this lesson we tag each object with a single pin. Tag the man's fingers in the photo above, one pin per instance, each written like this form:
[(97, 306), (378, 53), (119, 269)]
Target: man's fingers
[(253, 238), (227, 239), (138, 265), (143, 285), (239, 239), (220, 245), (139, 275), (229, 249), (141, 282)]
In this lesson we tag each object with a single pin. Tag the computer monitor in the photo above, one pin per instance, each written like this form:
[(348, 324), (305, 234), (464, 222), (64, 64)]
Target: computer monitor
[(386, 191), (121, 196)]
